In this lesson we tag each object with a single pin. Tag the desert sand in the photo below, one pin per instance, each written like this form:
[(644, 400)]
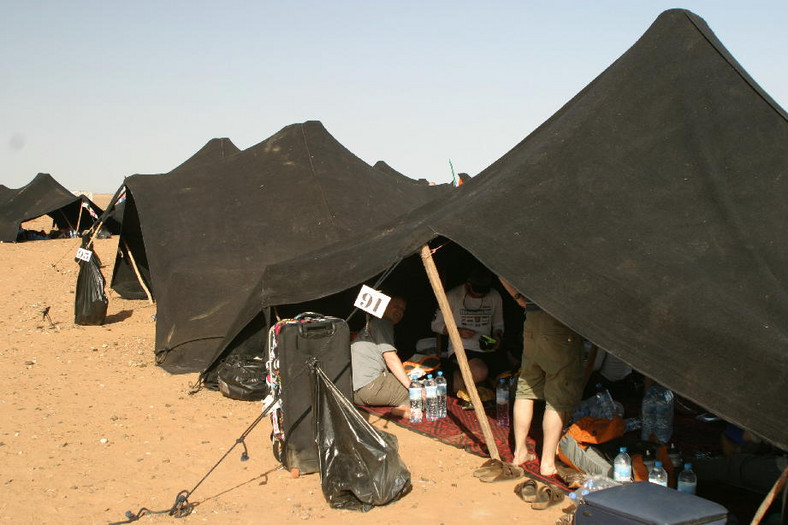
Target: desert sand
[(92, 428)]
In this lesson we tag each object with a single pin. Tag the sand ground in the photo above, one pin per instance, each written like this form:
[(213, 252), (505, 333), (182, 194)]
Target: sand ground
[(90, 428)]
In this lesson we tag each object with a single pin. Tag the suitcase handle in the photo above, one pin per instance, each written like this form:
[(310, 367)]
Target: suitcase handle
[(317, 329), (308, 315)]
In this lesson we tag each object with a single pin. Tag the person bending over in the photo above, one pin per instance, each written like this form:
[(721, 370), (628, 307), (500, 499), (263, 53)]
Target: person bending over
[(551, 370), (379, 378)]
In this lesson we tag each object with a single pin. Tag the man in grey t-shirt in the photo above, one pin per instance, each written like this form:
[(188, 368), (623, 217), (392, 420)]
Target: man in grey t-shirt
[(379, 378)]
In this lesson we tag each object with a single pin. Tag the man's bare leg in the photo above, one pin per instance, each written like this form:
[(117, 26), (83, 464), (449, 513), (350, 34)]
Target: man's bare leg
[(522, 414), (552, 426)]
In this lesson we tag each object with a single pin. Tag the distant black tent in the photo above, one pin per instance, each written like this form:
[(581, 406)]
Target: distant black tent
[(648, 214), (209, 229), (43, 196)]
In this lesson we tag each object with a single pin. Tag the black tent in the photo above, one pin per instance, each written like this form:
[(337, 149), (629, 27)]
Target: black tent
[(43, 196), (647, 214), (209, 229)]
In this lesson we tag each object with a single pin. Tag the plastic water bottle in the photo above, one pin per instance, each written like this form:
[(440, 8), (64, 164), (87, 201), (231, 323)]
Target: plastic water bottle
[(649, 459), (416, 394), (622, 466), (440, 383), (675, 456), (431, 396), (502, 403), (687, 480), (658, 474), (592, 483), (633, 423), (647, 415), (663, 414)]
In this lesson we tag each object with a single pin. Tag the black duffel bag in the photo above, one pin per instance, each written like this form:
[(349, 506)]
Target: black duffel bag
[(242, 377)]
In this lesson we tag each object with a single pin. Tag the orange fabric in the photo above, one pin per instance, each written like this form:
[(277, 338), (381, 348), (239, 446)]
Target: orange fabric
[(593, 431), (639, 471)]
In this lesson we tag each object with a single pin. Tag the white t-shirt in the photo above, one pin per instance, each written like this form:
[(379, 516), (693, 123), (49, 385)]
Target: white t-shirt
[(484, 315)]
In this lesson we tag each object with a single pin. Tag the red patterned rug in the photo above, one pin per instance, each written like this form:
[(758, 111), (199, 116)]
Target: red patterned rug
[(461, 429)]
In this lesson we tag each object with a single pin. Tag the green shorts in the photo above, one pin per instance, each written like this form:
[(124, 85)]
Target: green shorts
[(552, 365), (383, 391)]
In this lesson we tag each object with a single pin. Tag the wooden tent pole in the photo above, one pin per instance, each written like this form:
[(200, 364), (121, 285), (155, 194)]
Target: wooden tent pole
[(459, 350), (766, 503), (79, 217), (137, 271)]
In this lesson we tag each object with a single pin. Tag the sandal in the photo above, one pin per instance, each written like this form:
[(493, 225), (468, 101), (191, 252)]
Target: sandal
[(491, 466), (571, 477), (547, 496), (527, 490), (507, 472)]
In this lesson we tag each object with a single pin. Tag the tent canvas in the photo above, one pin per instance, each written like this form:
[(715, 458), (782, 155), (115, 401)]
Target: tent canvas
[(647, 215), (209, 229), (42, 196)]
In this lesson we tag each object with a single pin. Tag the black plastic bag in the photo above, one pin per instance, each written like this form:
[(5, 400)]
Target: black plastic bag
[(360, 466), (90, 302), (242, 377)]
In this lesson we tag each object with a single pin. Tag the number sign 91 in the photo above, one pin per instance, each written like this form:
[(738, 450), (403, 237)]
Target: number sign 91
[(372, 301)]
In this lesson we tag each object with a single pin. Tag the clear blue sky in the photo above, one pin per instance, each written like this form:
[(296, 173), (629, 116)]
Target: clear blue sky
[(93, 91)]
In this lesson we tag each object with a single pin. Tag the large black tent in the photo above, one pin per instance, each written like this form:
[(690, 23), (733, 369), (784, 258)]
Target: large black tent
[(647, 214), (204, 232), (42, 196)]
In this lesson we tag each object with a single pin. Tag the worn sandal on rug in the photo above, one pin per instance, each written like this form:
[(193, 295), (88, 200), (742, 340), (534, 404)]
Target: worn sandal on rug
[(547, 496), (527, 490), (507, 472)]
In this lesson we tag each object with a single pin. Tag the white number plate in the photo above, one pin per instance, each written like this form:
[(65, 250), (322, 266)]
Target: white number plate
[(372, 301), (84, 254)]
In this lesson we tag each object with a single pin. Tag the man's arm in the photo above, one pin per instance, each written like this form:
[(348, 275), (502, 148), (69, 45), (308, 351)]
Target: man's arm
[(394, 364)]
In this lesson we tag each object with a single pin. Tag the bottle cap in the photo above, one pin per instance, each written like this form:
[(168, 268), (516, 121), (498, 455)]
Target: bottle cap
[(440, 373), (687, 466), (657, 463), (622, 449), (429, 376)]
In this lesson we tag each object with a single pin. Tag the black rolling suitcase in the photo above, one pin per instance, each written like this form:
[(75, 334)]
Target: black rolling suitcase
[(647, 503), (291, 342)]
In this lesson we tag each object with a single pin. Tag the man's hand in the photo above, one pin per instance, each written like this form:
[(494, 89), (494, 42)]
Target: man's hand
[(466, 333)]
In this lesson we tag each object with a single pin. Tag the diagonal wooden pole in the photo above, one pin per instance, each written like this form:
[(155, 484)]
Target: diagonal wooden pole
[(137, 272), (459, 350)]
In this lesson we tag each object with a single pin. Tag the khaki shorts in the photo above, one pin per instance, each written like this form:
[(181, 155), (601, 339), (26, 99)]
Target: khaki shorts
[(383, 391), (552, 366)]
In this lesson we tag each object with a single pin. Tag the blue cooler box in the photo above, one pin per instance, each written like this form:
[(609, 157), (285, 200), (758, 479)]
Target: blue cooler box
[(644, 502)]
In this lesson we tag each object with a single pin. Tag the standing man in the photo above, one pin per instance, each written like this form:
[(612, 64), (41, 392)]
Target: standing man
[(379, 378), (551, 370), (478, 312)]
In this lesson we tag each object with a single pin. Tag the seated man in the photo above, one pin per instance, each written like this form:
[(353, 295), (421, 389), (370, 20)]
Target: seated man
[(478, 311), (378, 376)]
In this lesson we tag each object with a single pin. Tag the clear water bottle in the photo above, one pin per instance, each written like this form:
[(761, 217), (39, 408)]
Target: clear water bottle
[(658, 474), (440, 383), (622, 466), (675, 456), (633, 423), (416, 393), (663, 415), (649, 459), (687, 480), (502, 403), (592, 483), (647, 415), (431, 397)]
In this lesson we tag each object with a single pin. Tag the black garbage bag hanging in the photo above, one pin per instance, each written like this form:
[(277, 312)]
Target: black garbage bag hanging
[(90, 301), (360, 466)]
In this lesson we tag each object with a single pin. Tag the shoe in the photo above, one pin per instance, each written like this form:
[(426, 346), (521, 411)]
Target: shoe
[(527, 490), (507, 472), (547, 496)]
